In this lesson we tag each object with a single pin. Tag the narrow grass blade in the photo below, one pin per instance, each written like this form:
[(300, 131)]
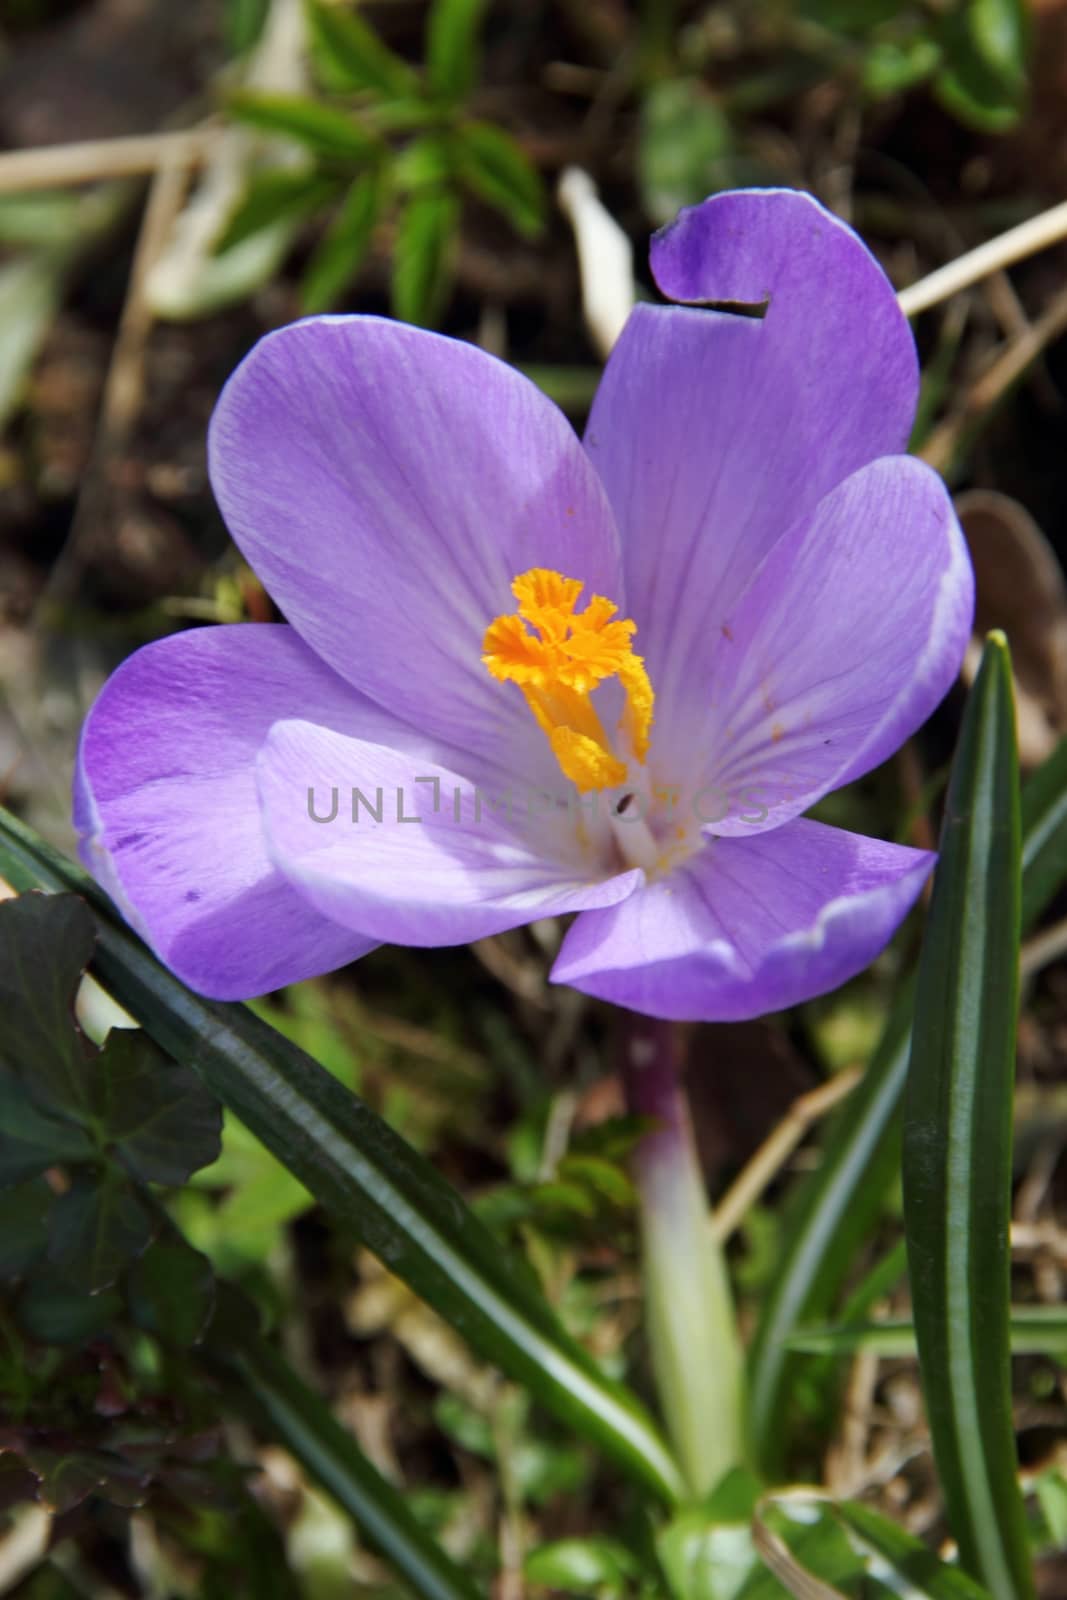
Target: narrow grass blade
[(364, 1174), (911, 1562), (958, 1140), (304, 1424), (831, 1216), (1035, 1330), (837, 1204)]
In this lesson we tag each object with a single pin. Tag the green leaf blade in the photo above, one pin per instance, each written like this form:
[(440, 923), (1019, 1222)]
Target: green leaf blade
[(342, 252), (495, 167), (838, 1202), (308, 1429), (957, 1140), (328, 133), (422, 263), (351, 55), (452, 53)]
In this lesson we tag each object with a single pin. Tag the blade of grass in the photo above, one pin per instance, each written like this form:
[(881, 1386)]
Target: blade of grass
[(836, 1206), (958, 1140), (364, 1174), (1035, 1330), (304, 1424), (833, 1213)]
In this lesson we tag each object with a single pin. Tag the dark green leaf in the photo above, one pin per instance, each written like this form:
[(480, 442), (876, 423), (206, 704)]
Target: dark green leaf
[(452, 47), (958, 1139), (45, 946), (23, 1226), (320, 128), (163, 1123), (422, 259), (272, 197), (97, 1228), (365, 1175), (51, 1310), (305, 1425), (171, 1291), (497, 169), (924, 1574), (339, 257), (30, 1141), (350, 54)]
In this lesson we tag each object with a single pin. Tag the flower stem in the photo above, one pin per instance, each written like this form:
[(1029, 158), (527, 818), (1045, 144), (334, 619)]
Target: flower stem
[(696, 1351)]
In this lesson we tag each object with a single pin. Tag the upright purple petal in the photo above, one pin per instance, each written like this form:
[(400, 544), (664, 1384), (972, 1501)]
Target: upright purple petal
[(416, 854), (846, 639), (387, 484), (165, 802), (714, 431), (747, 926)]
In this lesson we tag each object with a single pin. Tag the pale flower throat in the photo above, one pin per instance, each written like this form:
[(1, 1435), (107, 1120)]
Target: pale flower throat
[(558, 656)]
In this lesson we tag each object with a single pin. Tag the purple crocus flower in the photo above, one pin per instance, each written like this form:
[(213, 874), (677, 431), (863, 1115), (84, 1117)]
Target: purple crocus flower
[(549, 676)]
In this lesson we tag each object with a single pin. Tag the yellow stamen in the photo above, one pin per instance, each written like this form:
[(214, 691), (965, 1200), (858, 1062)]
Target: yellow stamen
[(558, 656)]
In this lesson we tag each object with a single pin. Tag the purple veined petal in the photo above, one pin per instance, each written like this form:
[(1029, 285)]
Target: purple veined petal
[(387, 484), (166, 806), (415, 854), (846, 639), (747, 926), (714, 431)]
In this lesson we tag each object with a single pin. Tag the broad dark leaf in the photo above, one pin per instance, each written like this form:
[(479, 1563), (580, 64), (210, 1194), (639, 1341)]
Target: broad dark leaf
[(97, 1228), (31, 1141), (161, 1121), (52, 1311), (23, 1227), (171, 1291), (45, 945)]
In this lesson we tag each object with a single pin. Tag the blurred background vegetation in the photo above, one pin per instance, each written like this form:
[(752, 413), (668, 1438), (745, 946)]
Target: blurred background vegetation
[(174, 181)]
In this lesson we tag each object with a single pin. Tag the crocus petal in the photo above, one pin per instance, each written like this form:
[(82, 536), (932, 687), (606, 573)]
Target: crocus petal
[(713, 431), (417, 856), (165, 802), (387, 484), (844, 642), (747, 926)]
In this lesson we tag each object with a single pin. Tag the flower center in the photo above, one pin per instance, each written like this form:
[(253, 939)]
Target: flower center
[(558, 656)]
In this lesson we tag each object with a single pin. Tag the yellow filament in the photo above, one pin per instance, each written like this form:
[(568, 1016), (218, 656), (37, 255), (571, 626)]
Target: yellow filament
[(558, 656)]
